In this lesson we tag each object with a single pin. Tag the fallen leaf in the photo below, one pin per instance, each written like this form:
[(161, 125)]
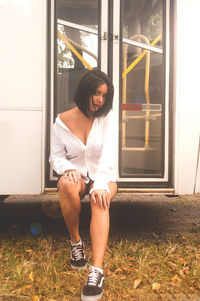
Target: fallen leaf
[(175, 278), (5, 259), (136, 283), (36, 298), (182, 260), (186, 271), (181, 273), (38, 279), (155, 286), (173, 265), (30, 276), (106, 292), (118, 270), (25, 288), (29, 251)]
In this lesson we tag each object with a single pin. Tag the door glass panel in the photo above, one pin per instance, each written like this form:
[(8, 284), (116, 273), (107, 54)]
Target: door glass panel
[(77, 47), (142, 89)]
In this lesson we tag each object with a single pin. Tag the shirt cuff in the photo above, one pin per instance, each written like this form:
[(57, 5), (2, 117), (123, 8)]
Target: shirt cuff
[(68, 166), (99, 187)]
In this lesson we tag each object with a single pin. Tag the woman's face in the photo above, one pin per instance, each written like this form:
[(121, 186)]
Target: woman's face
[(98, 99)]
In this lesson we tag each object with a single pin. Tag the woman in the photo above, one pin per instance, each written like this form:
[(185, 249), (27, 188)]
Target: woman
[(82, 153)]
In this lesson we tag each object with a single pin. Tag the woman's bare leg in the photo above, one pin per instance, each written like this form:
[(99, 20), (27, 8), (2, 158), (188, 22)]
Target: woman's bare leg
[(70, 194), (99, 229)]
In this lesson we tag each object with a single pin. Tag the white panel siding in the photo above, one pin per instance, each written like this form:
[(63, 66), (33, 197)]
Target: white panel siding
[(20, 152), (22, 96), (187, 128), (22, 48)]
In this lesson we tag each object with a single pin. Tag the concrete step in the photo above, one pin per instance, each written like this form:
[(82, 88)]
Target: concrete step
[(128, 211)]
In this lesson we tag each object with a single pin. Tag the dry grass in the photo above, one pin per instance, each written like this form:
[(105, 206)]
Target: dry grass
[(142, 267)]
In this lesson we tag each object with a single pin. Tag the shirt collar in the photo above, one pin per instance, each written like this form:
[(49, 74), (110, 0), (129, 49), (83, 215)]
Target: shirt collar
[(60, 123)]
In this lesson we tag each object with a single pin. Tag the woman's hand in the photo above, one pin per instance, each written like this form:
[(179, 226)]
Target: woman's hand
[(101, 198), (72, 175)]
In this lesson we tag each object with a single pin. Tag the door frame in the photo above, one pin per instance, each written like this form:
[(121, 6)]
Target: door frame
[(108, 40)]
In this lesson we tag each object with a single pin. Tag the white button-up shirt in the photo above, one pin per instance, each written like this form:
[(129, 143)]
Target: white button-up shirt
[(95, 159)]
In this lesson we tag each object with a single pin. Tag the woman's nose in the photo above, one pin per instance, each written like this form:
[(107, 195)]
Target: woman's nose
[(100, 98)]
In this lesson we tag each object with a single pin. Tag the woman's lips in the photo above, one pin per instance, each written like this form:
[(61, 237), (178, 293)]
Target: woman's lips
[(97, 107)]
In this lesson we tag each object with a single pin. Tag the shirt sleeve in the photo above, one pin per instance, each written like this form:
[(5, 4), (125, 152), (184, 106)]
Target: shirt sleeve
[(106, 171), (58, 156)]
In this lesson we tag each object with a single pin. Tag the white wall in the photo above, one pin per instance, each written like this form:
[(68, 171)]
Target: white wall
[(187, 127), (22, 95)]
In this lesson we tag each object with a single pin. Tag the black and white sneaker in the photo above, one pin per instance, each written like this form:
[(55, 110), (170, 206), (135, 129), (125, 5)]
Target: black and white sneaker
[(78, 260), (92, 290)]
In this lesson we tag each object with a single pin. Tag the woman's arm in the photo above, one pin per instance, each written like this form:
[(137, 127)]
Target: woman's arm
[(58, 157), (106, 171)]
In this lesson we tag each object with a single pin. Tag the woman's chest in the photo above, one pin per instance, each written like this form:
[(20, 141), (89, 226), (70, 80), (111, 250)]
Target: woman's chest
[(88, 139), (82, 131)]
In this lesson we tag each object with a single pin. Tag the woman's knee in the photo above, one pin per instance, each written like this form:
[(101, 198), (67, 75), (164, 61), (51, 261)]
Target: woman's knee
[(113, 189), (71, 188), (68, 187)]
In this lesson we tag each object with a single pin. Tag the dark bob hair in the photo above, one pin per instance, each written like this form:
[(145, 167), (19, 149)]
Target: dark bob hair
[(87, 88)]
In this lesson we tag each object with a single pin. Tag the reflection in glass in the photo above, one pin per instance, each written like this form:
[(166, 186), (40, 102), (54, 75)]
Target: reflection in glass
[(144, 18), (77, 47)]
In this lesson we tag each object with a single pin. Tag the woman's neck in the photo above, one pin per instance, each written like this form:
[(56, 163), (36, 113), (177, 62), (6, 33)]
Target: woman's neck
[(78, 112)]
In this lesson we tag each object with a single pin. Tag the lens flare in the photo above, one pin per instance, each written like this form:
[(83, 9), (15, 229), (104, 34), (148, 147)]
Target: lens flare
[(36, 228)]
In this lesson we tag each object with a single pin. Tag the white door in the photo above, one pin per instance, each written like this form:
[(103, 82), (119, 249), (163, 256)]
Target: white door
[(143, 92)]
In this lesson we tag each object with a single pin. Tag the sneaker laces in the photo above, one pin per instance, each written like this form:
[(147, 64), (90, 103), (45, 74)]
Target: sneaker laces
[(93, 277), (77, 252)]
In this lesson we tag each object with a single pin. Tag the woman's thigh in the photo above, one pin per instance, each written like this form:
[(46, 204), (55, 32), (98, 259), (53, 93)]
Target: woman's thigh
[(70, 187)]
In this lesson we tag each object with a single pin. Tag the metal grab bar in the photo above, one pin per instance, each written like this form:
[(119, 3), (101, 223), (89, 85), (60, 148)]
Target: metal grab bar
[(65, 40), (138, 59), (82, 48)]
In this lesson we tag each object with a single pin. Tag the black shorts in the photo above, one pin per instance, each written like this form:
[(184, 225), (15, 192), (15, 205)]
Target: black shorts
[(87, 184)]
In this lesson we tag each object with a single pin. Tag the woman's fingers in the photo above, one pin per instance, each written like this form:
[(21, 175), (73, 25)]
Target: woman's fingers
[(72, 175), (101, 199), (93, 198)]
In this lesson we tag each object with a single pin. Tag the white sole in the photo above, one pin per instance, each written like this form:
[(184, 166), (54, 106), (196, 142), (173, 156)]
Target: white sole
[(91, 298), (78, 268)]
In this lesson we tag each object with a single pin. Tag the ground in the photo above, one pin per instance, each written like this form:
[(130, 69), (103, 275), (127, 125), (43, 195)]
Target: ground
[(153, 252)]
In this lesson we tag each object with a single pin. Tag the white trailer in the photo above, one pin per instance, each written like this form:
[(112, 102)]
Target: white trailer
[(149, 48)]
